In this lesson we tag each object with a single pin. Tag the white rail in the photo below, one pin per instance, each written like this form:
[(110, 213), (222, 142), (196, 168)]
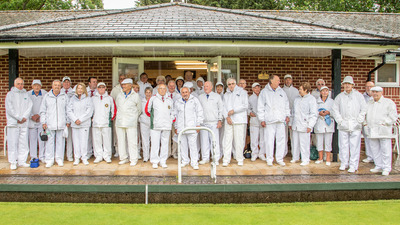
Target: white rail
[(214, 158), (5, 141)]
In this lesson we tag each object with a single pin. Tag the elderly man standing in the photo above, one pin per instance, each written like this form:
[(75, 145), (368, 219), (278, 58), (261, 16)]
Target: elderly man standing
[(35, 127), (174, 95), (160, 110), (18, 111), (274, 112), (114, 93), (129, 108), (235, 112), (159, 80), (255, 131), (316, 92), (212, 107), (349, 111), (381, 115), (292, 93), (143, 84), (67, 90), (189, 113), (189, 78), (367, 96), (54, 119)]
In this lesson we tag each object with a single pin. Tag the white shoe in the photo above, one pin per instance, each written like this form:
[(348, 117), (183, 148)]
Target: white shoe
[(175, 156), (376, 170), (282, 163), (225, 164), (319, 161), (108, 160), (262, 157), (293, 161), (116, 155), (342, 167), (304, 163), (48, 165), (97, 160), (196, 167), (385, 173), (202, 162), (123, 162), (76, 162), (85, 162), (367, 160), (184, 164), (328, 163), (60, 163), (351, 170), (155, 165), (217, 163), (13, 166), (270, 164), (163, 165), (133, 163), (25, 165), (139, 157), (70, 159), (240, 163)]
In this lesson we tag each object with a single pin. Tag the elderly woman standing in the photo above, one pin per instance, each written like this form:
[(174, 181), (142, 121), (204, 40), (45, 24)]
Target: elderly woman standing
[(325, 126), (145, 125), (80, 111), (303, 120)]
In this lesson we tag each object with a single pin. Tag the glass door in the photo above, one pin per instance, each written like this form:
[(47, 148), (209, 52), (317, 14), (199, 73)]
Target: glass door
[(132, 68)]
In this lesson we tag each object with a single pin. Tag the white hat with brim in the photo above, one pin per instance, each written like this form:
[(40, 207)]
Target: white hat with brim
[(377, 88), (127, 81), (188, 85), (66, 78), (200, 79), (324, 87), (219, 83), (255, 85), (287, 76), (179, 78), (36, 82), (100, 84), (348, 80)]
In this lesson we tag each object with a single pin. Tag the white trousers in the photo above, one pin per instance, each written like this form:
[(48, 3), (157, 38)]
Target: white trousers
[(206, 142), (127, 135), (324, 141), (102, 142), (301, 145), (275, 133), (349, 148), (80, 138), (90, 144), (55, 146), (255, 133), (234, 134), (381, 150), (69, 146), (145, 133), (368, 150), (157, 154), (18, 150), (34, 141), (189, 150), (221, 140)]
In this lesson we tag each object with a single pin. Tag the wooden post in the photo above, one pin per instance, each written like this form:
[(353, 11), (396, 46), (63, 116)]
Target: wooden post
[(13, 57), (336, 81)]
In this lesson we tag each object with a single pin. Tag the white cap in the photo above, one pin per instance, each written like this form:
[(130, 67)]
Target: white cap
[(219, 83), (66, 78), (377, 88), (200, 79), (255, 84), (101, 83), (188, 85), (36, 82), (287, 76), (324, 87), (348, 79), (179, 78), (127, 81)]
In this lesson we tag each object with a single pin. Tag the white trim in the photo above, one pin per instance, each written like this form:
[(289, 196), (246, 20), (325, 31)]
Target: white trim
[(388, 84)]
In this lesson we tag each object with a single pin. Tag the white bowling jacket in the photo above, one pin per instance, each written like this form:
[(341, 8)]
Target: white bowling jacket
[(189, 114), (115, 91), (144, 118), (273, 105), (292, 93), (305, 113), (104, 110), (70, 92), (253, 101), (80, 109), (349, 110), (238, 101), (321, 126), (53, 111), (212, 107), (163, 107), (380, 117), (37, 101), (143, 87), (18, 106), (129, 108)]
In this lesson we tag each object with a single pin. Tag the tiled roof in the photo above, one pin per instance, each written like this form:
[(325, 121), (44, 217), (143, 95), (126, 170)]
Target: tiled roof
[(188, 21)]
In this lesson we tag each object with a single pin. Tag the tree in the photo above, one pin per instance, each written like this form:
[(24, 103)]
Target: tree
[(230, 4), (50, 4)]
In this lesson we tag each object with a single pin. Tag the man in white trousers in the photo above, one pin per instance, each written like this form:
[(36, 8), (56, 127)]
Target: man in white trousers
[(292, 93), (91, 90), (129, 108), (367, 96), (256, 131), (212, 110), (54, 119), (349, 111), (380, 117), (188, 113), (236, 103), (317, 92), (160, 110), (18, 111), (114, 93), (104, 113), (174, 95), (274, 112), (66, 89), (143, 84), (35, 127)]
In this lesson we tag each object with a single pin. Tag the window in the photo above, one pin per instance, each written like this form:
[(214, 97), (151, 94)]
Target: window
[(230, 68), (388, 75)]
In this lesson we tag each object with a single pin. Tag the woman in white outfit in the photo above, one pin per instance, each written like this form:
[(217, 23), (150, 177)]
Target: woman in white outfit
[(80, 111), (145, 125), (325, 126), (303, 120)]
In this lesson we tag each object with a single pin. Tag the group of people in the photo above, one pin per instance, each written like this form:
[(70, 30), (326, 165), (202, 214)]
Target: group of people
[(144, 122)]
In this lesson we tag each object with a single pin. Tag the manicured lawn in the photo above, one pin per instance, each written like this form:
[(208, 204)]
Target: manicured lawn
[(361, 212)]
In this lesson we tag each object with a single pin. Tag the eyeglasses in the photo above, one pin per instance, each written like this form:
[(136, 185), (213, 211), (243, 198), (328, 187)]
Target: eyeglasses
[(231, 84), (320, 84)]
